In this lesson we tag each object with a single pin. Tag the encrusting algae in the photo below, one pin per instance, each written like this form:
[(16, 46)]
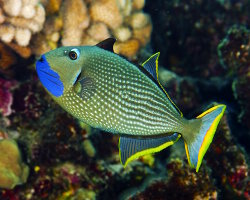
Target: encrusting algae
[(12, 170)]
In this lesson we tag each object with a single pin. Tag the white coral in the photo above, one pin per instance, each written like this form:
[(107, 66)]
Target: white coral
[(22, 36), (12, 7), (20, 19), (7, 33)]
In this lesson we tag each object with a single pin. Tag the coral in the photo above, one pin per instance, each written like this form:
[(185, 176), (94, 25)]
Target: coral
[(12, 170), (12, 7), (98, 31), (75, 20), (128, 48), (139, 20), (53, 6), (21, 14), (106, 11), (122, 34), (20, 20), (143, 34), (138, 4), (49, 37), (7, 33), (89, 22), (6, 97)]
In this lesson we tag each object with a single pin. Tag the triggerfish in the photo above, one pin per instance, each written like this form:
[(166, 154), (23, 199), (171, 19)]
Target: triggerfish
[(108, 92)]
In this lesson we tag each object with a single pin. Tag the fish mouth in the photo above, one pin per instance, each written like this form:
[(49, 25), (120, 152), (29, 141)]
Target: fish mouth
[(49, 78)]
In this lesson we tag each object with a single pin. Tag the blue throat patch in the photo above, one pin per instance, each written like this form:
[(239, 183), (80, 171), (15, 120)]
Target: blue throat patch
[(49, 78)]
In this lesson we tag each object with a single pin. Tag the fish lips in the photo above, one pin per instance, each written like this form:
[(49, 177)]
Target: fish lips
[(49, 78)]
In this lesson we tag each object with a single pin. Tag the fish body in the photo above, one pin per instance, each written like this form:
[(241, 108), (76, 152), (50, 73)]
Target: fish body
[(108, 92)]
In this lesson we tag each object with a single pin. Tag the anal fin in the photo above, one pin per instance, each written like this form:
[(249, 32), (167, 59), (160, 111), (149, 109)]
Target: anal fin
[(132, 148)]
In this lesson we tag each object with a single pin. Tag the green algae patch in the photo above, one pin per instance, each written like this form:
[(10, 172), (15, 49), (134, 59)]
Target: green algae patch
[(12, 170)]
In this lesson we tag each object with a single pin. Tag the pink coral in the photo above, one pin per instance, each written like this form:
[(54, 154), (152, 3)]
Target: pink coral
[(6, 98)]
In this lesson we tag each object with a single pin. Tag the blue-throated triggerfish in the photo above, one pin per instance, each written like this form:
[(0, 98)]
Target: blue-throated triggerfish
[(108, 92)]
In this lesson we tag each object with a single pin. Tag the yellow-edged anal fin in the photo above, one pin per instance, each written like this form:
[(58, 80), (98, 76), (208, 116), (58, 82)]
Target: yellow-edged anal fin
[(133, 148)]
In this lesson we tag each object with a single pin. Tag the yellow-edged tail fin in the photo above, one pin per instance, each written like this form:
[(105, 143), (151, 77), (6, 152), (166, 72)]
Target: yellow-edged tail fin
[(197, 145)]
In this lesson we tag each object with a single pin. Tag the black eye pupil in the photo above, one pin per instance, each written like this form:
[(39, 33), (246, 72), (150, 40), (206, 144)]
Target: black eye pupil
[(72, 55)]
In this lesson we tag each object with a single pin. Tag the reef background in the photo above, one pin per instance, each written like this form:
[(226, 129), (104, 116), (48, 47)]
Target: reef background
[(205, 59)]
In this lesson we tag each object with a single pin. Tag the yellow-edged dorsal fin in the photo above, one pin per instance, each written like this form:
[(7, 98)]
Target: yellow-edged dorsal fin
[(151, 65)]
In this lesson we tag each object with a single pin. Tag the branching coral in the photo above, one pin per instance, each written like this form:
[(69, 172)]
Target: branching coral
[(89, 22), (19, 20), (74, 15)]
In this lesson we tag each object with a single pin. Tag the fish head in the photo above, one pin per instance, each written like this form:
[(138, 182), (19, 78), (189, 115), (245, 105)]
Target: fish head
[(59, 69)]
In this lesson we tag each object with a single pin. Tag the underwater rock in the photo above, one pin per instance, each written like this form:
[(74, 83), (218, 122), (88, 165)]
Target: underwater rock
[(7, 57), (28, 103), (6, 97), (84, 194), (234, 52), (12, 170), (89, 148), (180, 178), (229, 163), (234, 49), (182, 90), (21, 19), (187, 33)]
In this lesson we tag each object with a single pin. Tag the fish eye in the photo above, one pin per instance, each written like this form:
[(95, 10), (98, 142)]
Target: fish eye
[(74, 54)]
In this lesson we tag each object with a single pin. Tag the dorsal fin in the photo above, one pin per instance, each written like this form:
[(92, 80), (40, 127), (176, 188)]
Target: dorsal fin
[(107, 44), (151, 65)]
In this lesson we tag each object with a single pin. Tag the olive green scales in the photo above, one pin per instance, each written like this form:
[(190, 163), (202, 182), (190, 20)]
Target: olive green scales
[(108, 92)]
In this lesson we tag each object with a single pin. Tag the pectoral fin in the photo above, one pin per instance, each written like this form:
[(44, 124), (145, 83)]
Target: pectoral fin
[(85, 88), (133, 148)]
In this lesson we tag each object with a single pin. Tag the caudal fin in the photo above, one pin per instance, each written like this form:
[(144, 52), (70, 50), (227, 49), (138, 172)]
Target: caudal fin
[(197, 143)]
